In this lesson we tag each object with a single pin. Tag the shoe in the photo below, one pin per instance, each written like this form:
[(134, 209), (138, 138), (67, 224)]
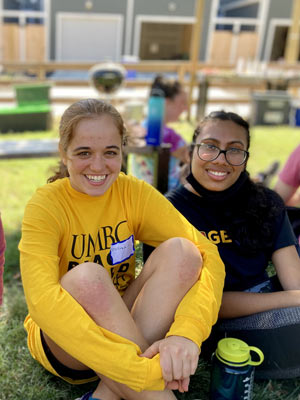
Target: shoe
[(86, 396), (265, 177)]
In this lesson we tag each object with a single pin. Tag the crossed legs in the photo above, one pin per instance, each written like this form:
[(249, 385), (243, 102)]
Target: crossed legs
[(145, 312)]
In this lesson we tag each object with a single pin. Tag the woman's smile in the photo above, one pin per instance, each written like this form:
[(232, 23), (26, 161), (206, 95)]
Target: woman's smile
[(217, 175), (96, 179), (94, 156)]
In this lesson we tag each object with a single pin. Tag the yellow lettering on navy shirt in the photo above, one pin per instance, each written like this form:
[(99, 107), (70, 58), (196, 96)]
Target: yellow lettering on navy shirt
[(217, 237)]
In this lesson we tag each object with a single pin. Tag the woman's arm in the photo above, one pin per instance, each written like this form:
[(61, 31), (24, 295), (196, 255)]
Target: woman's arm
[(241, 304), (287, 265), (61, 317), (285, 191)]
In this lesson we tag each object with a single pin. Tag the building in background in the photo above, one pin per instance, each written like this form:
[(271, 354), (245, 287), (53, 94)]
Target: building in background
[(254, 29), (99, 30), (22, 30), (95, 30)]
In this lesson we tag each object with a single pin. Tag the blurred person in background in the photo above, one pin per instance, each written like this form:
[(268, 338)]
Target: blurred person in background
[(175, 104), (289, 180)]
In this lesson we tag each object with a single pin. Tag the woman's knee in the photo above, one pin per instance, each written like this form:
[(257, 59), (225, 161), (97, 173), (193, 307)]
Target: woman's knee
[(84, 280), (182, 257)]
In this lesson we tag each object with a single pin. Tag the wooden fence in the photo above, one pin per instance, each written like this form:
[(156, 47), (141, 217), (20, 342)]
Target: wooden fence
[(279, 76), (178, 67), (25, 42)]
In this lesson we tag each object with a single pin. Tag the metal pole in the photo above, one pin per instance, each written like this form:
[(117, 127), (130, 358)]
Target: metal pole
[(293, 40), (194, 52)]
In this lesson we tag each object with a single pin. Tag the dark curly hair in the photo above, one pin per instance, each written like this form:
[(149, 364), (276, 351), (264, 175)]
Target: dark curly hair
[(223, 116), (250, 217), (170, 88)]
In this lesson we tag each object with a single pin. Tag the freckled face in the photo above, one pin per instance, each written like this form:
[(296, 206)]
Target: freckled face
[(218, 175), (94, 157)]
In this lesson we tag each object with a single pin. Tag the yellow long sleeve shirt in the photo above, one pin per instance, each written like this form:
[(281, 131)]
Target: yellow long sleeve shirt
[(62, 228)]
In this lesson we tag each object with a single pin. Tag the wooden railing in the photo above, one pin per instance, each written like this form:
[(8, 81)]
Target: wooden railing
[(42, 68), (210, 75), (178, 67)]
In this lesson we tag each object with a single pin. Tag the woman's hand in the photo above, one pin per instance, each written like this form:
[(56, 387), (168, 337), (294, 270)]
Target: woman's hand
[(178, 360)]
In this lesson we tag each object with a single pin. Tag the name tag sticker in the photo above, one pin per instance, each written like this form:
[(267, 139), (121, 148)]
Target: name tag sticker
[(121, 251)]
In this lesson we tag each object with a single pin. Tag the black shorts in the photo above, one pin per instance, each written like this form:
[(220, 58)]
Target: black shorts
[(61, 369)]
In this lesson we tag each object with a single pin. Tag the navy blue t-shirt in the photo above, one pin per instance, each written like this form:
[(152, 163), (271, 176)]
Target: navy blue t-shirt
[(242, 270)]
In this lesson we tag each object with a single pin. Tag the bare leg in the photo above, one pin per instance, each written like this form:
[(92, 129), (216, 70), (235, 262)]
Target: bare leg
[(91, 286), (168, 274)]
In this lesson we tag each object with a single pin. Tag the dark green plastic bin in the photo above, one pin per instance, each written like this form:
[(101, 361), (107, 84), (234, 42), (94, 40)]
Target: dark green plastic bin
[(270, 108), (32, 94), (29, 118)]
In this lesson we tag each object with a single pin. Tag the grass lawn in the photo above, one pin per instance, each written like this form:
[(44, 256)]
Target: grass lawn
[(28, 135), (20, 376)]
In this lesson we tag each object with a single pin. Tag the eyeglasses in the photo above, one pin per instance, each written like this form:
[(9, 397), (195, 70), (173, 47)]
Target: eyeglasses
[(209, 152)]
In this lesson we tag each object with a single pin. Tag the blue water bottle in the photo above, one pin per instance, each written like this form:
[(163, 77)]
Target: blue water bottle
[(156, 113), (232, 373)]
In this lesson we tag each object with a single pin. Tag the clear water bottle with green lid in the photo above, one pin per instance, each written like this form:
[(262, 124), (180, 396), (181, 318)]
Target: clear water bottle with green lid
[(232, 371)]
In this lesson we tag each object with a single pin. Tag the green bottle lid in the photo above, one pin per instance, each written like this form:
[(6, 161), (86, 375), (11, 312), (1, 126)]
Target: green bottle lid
[(235, 352)]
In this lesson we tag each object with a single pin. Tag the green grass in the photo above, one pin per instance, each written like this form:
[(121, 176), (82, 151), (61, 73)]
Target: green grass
[(20, 376), (29, 135), (270, 144), (19, 179)]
